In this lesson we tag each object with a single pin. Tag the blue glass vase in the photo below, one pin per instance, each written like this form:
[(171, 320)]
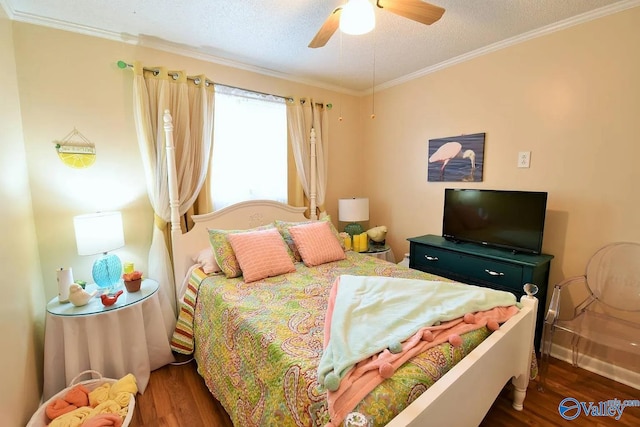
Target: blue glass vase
[(106, 271)]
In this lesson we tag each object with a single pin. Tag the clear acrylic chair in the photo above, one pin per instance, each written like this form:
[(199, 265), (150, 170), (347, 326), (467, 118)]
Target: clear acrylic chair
[(612, 280)]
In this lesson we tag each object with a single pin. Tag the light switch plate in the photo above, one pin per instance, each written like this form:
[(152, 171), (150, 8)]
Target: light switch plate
[(524, 159)]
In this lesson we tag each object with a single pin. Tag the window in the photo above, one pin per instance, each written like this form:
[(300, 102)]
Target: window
[(249, 158)]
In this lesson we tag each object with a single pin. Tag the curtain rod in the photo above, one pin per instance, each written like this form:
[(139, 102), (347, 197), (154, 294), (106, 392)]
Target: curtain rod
[(286, 98), (155, 71), (123, 65)]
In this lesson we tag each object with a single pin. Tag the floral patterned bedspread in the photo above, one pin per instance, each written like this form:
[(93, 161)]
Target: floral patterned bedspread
[(258, 346)]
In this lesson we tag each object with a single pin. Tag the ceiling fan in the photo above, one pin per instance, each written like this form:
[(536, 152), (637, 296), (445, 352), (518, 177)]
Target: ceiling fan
[(416, 10)]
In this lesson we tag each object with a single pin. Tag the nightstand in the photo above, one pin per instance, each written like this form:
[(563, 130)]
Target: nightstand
[(381, 252), (127, 337)]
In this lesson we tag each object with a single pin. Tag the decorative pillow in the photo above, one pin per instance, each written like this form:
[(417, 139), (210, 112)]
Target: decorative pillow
[(316, 243), (261, 254), (223, 252), (207, 261), (283, 228)]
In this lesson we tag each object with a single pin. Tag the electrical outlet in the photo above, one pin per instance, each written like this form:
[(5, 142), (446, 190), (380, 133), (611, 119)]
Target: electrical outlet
[(524, 158)]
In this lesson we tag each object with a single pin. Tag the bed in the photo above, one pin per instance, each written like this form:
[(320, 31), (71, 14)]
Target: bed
[(259, 344)]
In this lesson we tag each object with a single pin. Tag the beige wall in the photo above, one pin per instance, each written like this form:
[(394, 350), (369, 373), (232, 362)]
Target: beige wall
[(572, 98), (69, 80), (22, 301)]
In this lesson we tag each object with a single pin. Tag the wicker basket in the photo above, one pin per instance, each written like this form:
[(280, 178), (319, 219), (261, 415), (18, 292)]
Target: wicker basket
[(40, 419)]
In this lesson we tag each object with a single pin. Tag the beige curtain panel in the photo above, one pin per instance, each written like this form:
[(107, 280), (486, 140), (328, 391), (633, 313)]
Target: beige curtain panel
[(190, 101)]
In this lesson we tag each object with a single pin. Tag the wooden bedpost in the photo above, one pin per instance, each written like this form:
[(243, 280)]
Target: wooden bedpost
[(314, 171), (174, 197)]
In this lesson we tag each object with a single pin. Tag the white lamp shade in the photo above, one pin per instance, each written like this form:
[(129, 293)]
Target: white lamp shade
[(357, 17), (98, 233), (353, 210)]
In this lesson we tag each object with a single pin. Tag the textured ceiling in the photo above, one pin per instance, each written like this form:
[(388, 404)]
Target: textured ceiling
[(271, 36)]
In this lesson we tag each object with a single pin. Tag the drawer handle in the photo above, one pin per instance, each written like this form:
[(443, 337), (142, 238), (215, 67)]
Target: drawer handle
[(494, 273), (431, 258)]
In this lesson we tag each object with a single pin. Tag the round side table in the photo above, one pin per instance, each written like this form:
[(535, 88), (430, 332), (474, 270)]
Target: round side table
[(126, 337), (94, 307), (381, 252)]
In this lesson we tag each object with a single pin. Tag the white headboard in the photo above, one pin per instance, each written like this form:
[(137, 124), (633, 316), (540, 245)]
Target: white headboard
[(236, 217)]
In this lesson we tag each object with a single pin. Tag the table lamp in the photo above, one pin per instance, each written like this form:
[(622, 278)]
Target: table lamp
[(99, 233), (351, 211)]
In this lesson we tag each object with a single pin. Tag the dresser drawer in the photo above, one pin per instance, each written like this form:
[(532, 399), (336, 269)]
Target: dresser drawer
[(508, 277), (432, 259), (468, 268)]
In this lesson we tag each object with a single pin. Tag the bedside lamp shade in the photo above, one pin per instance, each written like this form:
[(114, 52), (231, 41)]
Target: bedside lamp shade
[(352, 211), (100, 233)]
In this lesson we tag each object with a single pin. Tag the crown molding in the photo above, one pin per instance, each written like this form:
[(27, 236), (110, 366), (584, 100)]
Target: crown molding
[(162, 45), (543, 31), (192, 53)]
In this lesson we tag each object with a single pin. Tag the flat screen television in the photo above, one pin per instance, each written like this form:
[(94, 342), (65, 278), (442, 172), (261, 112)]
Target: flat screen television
[(511, 220)]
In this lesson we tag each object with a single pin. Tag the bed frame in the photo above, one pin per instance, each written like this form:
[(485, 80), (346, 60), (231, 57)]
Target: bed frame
[(462, 396)]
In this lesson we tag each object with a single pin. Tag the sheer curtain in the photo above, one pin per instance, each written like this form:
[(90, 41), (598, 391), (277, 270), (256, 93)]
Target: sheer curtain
[(190, 101), (307, 119)]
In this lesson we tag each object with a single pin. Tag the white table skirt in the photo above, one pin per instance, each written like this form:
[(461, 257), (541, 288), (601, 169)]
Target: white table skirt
[(132, 339)]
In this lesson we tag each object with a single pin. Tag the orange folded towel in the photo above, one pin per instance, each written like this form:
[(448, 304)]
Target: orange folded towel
[(58, 407), (104, 420), (78, 396)]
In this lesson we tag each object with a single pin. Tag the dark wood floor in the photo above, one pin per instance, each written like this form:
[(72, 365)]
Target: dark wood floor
[(176, 396)]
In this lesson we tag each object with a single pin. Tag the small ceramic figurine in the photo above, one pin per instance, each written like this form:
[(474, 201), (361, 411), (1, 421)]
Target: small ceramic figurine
[(378, 234), (79, 296), (108, 300)]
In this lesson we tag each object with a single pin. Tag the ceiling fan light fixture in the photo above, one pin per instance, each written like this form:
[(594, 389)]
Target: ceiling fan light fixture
[(357, 17)]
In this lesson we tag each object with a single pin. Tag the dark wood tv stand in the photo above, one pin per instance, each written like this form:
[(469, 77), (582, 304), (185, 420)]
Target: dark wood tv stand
[(480, 265)]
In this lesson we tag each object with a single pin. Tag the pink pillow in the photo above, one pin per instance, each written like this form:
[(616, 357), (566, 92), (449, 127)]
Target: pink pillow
[(207, 261), (261, 254), (283, 228), (223, 252), (316, 243)]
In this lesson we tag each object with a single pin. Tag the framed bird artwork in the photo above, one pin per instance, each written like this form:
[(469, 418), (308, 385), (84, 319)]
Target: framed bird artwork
[(456, 158)]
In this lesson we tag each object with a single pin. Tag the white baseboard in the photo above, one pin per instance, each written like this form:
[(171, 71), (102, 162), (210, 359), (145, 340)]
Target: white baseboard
[(606, 369)]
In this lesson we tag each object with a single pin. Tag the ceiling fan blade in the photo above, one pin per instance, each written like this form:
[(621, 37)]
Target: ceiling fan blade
[(415, 10), (328, 28)]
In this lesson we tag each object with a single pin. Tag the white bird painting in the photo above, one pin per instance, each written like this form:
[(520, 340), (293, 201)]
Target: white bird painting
[(447, 150)]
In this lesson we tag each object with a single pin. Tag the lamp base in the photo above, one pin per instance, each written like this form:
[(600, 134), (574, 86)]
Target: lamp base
[(353, 229), (106, 271)]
